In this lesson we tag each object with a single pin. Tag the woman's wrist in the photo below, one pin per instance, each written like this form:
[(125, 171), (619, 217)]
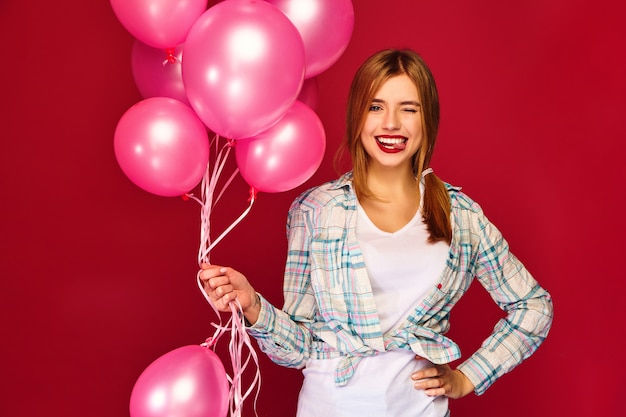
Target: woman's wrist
[(252, 312), (467, 387)]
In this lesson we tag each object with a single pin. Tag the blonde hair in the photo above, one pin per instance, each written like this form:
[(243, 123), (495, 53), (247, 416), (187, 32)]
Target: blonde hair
[(368, 79)]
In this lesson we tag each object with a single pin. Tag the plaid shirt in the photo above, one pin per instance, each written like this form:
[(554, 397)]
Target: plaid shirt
[(330, 311)]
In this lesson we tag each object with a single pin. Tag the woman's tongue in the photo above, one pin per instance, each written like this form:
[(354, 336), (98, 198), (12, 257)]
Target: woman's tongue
[(392, 145)]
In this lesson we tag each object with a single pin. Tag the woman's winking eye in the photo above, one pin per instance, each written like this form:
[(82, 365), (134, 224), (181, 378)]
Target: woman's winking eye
[(405, 106)]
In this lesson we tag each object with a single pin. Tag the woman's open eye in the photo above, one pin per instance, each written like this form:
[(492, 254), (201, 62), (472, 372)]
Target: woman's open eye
[(375, 107)]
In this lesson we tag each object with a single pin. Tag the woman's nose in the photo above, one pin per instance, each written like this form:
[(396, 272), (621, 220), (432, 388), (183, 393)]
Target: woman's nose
[(391, 120)]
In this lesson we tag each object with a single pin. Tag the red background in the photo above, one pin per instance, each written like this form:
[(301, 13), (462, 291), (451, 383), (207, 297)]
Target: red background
[(98, 276)]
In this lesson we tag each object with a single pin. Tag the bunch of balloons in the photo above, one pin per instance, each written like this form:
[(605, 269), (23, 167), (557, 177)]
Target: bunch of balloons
[(242, 69), (246, 71)]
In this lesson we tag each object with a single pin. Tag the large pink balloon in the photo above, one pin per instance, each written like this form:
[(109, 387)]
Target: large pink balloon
[(154, 75), (243, 67), (286, 155), (159, 23), (187, 382), (162, 146), (326, 28)]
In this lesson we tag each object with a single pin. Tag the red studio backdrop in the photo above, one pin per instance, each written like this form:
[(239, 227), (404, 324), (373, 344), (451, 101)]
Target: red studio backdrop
[(98, 276)]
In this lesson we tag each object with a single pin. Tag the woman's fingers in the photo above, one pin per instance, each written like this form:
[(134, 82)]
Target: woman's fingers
[(431, 372), (224, 285), (217, 282), (442, 380), (212, 276), (210, 271), (217, 285)]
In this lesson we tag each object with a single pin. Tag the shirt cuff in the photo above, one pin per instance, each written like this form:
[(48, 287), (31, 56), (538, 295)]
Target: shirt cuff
[(265, 322), (474, 369)]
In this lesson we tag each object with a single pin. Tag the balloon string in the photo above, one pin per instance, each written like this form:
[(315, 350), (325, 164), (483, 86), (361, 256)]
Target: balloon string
[(232, 177), (239, 338), (209, 184), (235, 223)]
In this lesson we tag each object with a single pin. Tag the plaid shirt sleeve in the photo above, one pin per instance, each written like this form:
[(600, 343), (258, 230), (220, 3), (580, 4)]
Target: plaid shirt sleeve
[(284, 335), (528, 306)]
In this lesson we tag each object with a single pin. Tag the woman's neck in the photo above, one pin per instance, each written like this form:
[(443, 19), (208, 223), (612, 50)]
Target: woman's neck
[(392, 184)]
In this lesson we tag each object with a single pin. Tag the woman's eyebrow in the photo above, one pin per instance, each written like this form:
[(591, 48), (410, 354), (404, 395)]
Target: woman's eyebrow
[(402, 103)]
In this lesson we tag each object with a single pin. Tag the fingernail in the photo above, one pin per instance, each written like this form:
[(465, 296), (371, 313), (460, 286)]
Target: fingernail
[(223, 270)]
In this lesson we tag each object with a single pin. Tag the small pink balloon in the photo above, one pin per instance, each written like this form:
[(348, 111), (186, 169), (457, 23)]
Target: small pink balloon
[(162, 146), (243, 67), (286, 155), (309, 94), (158, 23), (156, 73), (187, 382), (325, 26)]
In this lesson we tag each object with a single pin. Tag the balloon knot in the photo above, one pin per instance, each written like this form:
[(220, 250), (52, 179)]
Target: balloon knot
[(170, 57), (253, 193), (185, 197), (231, 143), (209, 342)]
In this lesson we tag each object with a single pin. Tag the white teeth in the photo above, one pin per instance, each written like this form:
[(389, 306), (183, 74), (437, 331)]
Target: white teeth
[(390, 141)]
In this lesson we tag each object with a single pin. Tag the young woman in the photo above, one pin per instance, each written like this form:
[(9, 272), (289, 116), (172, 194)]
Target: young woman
[(376, 261)]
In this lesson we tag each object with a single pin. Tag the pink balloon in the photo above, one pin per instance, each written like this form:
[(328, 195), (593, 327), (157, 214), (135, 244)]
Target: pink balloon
[(309, 94), (159, 23), (154, 75), (286, 155), (187, 382), (162, 146), (243, 67), (325, 26)]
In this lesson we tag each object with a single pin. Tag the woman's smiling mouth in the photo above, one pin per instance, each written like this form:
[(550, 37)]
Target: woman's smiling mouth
[(391, 143)]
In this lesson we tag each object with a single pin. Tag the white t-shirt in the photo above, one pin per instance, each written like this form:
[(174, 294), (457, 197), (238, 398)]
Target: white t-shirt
[(402, 267)]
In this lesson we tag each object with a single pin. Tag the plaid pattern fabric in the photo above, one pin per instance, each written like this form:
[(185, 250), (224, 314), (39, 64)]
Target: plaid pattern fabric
[(329, 308)]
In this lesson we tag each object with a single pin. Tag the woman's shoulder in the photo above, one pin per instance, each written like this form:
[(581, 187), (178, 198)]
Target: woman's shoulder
[(329, 193), (461, 201)]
